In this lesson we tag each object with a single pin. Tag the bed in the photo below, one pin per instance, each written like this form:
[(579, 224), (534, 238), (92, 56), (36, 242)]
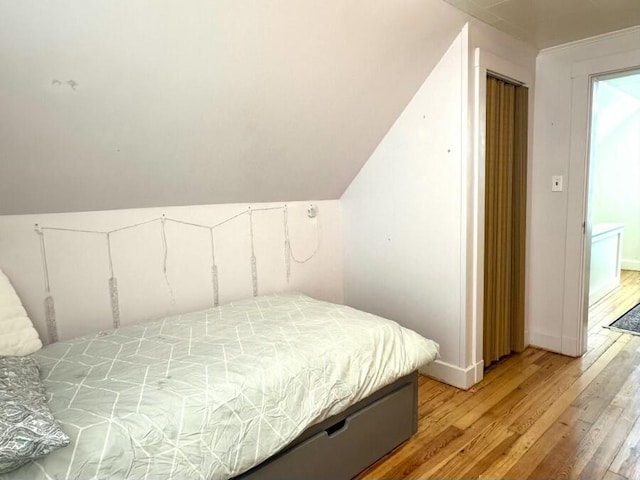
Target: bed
[(277, 386)]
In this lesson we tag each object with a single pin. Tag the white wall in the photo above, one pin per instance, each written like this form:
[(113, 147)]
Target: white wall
[(556, 287), (79, 268), (243, 101), (403, 213), (615, 165), (408, 215)]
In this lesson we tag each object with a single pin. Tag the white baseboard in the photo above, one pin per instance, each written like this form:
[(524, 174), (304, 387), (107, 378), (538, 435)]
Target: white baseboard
[(546, 342), (463, 378), (563, 345), (630, 264)]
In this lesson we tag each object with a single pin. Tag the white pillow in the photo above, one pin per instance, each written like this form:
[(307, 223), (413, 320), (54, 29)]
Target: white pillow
[(17, 335)]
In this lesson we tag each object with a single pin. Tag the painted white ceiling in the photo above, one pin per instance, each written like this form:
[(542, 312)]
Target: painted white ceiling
[(546, 23)]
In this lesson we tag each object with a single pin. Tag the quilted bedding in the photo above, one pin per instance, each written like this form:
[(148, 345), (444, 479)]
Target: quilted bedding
[(210, 394)]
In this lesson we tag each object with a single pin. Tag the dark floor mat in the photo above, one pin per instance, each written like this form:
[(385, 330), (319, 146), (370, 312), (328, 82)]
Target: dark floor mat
[(630, 321)]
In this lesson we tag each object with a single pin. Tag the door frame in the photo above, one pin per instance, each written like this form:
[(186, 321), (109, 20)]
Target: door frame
[(485, 63), (575, 315)]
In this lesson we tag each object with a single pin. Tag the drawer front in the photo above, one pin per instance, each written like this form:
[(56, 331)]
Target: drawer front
[(348, 447)]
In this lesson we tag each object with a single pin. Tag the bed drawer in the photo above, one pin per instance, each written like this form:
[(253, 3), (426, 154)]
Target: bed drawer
[(349, 446)]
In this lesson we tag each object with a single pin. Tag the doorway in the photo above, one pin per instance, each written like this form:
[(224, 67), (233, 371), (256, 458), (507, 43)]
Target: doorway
[(613, 197)]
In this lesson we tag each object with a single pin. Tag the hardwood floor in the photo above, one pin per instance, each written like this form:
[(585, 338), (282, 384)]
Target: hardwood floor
[(627, 295), (536, 414)]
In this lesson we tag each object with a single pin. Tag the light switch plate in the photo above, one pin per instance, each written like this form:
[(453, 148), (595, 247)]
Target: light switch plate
[(556, 183)]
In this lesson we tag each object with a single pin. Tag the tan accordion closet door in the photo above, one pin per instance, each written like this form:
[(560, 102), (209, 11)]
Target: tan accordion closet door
[(505, 218)]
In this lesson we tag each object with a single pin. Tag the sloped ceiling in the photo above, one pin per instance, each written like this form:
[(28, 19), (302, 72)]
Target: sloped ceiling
[(119, 104)]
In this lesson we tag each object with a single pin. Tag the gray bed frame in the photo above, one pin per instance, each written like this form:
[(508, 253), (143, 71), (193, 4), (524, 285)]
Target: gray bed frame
[(344, 445)]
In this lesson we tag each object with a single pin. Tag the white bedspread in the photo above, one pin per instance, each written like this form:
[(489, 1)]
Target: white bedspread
[(211, 394)]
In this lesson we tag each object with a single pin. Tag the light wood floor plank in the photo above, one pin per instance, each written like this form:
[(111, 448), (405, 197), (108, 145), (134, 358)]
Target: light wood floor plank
[(553, 412), (613, 476), (589, 445), (627, 459), (473, 456), (557, 462), (612, 429)]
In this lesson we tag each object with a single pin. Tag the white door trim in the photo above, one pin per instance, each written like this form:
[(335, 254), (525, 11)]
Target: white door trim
[(485, 62), (578, 237)]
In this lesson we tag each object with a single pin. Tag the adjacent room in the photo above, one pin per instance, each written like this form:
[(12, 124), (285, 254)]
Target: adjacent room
[(319, 240), (614, 207)]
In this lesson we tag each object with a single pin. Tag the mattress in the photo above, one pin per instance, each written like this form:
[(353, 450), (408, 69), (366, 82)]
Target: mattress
[(210, 394)]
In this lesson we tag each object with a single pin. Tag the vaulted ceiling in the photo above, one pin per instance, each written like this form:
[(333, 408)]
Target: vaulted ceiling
[(116, 104)]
